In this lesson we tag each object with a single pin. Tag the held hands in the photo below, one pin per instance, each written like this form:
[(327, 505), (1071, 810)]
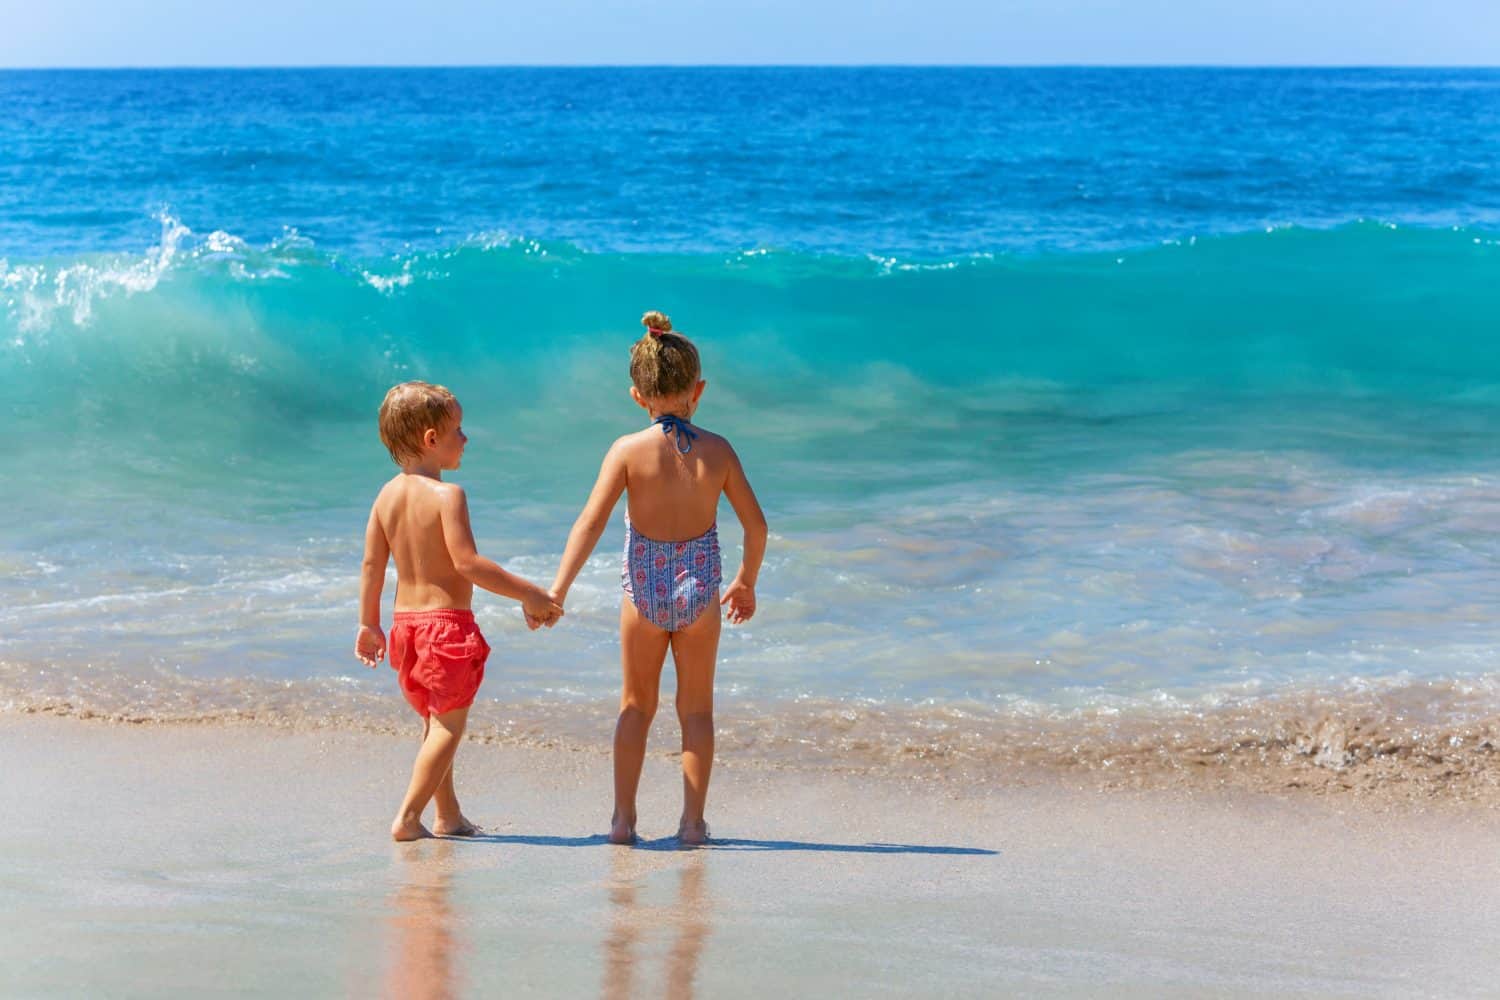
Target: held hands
[(369, 645), (741, 600), (543, 608)]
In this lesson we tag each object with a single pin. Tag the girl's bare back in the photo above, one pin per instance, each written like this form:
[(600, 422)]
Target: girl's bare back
[(672, 496)]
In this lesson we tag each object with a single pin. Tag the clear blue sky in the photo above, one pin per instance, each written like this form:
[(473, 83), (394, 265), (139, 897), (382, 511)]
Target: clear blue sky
[(620, 32)]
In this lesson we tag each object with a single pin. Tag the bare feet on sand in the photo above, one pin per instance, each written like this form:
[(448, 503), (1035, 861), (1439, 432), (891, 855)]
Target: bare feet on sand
[(621, 830), (408, 828), (692, 833), (459, 827)]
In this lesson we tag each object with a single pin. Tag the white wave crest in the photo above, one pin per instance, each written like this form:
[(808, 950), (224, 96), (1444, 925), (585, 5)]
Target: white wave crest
[(41, 292)]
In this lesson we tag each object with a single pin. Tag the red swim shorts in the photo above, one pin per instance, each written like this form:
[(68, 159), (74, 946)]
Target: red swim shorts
[(439, 657)]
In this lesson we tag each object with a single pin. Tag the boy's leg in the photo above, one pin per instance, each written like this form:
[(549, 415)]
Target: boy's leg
[(434, 761), (643, 649), (451, 821), (695, 650)]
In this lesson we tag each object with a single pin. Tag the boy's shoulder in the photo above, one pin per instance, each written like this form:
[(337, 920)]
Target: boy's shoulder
[(402, 487)]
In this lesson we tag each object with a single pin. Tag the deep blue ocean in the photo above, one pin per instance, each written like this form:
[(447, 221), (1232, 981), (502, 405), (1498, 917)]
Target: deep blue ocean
[(1060, 388), (924, 163)]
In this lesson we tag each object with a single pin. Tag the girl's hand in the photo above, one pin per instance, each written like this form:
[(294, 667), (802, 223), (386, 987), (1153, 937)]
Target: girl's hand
[(535, 622), (540, 609), (369, 645), (741, 600)]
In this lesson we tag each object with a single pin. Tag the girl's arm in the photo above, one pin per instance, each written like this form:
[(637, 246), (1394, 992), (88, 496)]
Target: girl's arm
[(592, 521), (740, 595), (369, 643)]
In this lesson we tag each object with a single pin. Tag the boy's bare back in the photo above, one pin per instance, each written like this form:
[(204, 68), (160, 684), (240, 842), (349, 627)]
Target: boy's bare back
[(417, 515), (424, 523), (673, 496)]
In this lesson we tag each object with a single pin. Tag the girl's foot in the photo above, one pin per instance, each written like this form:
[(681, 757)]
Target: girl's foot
[(692, 833), (459, 827), (621, 831), (404, 829)]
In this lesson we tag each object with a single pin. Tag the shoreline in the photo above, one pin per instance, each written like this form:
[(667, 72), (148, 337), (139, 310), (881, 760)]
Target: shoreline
[(1414, 747), (175, 858)]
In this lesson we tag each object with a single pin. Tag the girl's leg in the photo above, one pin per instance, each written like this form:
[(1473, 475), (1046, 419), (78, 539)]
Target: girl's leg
[(643, 649), (695, 650), (434, 761)]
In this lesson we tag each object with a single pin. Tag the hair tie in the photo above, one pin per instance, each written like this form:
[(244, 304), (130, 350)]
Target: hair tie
[(655, 332)]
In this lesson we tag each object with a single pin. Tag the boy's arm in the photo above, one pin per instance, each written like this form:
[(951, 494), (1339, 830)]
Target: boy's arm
[(740, 594), (458, 534), (369, 643), (592, 521)]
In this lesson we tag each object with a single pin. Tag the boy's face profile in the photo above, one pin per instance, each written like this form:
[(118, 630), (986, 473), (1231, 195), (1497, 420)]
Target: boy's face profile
[(446, 443)]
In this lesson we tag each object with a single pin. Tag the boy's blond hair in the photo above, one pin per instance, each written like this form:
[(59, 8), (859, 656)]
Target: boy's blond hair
[(408, 410)]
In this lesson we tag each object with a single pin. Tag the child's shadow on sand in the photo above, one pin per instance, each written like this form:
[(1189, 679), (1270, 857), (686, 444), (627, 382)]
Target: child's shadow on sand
[(745, 844), (725, 844)]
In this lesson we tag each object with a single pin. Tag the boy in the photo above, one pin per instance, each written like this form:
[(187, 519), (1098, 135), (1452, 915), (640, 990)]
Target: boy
[(436, 647)]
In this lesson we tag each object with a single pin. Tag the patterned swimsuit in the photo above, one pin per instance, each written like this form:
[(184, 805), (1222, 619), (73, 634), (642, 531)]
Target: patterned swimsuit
[(672, 583)]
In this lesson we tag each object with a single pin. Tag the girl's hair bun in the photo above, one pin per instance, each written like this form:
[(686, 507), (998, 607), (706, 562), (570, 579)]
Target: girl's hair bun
[(657, 322), (663, 363)]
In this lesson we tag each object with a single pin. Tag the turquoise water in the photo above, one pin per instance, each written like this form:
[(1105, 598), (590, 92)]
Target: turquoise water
[(1210, 429)]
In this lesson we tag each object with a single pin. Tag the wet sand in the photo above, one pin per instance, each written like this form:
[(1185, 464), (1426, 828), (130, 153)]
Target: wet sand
[(1415, 744), (151, 860)]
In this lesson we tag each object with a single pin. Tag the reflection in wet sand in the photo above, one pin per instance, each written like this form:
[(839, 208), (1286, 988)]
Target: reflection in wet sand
[(426, 947), (633, 922), (624, 932), (691, 925)]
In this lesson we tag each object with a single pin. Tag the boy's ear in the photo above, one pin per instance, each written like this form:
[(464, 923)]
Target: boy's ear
[(430, 437), (640, 400)]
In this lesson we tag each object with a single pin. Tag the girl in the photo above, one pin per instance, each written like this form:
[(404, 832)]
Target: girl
[(674, 473)]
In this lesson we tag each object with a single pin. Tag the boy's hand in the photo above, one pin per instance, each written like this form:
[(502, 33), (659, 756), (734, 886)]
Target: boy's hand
[(549, 620), (741, 600), (534, 622), (369, 645), (540, 609)]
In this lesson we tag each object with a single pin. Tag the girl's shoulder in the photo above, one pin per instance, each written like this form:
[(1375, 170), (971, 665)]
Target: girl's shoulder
[(704, 434), (635, 439), (649, 439), (636, 443), (707, 442)]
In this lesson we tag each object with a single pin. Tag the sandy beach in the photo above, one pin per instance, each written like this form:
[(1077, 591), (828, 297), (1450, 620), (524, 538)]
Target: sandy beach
[(157, 860)]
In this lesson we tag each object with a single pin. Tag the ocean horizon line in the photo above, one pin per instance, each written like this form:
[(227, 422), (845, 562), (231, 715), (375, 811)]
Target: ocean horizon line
[(1140, 66)]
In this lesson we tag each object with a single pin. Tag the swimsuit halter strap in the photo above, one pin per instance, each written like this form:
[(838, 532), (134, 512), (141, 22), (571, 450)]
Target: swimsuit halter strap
[(671, 422)]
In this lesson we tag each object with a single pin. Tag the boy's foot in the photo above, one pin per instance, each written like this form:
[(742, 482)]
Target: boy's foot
[(693, 833), (621, 832), (460, 827), (404, 830)]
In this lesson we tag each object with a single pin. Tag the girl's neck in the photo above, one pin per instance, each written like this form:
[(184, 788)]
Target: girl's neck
[(680, 411)]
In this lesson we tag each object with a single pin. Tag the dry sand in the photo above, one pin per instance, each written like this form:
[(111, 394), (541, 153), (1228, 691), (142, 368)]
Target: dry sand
[(169, 860)]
